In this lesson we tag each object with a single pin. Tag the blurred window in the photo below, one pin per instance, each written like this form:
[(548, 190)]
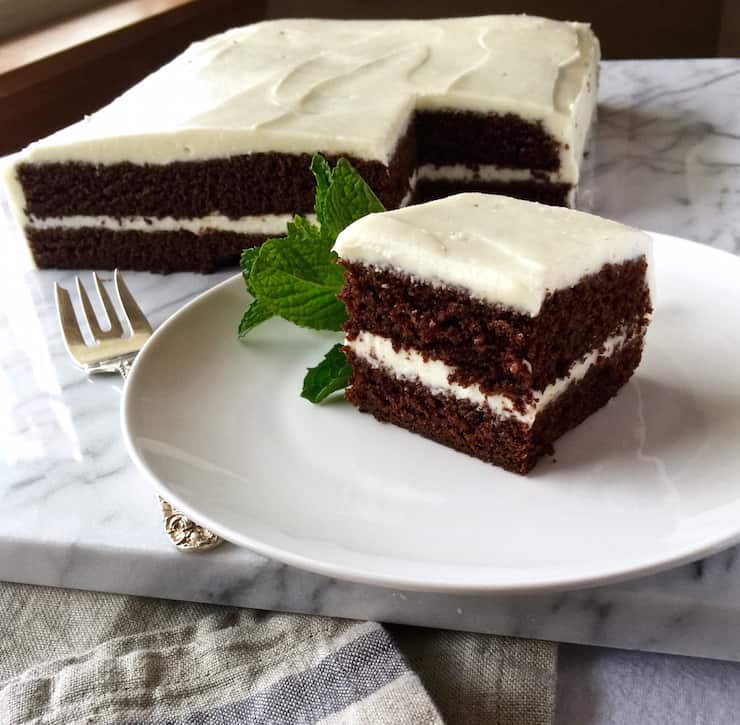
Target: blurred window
[(21, 16)]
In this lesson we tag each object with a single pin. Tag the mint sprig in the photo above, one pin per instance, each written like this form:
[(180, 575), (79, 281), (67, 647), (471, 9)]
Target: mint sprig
[(296, 277)]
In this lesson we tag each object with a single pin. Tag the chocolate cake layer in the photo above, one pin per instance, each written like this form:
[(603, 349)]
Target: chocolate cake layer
[(473, 429), (545, 192), (497, 348), (249, 185), (464, 137), (170, 251)]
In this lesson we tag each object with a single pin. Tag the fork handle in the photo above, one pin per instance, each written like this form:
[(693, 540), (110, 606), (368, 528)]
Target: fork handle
[(124, 366), (184, 533)]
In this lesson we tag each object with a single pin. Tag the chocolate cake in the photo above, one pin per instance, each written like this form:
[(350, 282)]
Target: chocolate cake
[(490, 324), (211, 153)]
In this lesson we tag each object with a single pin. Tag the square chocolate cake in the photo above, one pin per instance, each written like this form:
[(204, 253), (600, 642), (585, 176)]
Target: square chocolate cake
[(210, 154)]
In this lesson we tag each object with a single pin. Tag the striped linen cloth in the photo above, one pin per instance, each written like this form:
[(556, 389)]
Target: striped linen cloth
[(70, 657)]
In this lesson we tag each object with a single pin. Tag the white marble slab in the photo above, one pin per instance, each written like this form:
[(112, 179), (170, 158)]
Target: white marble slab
[(74, 512)]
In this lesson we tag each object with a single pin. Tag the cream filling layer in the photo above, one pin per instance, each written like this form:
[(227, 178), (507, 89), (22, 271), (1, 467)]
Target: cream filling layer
[(267, 224), (486, 172), (434, 374)]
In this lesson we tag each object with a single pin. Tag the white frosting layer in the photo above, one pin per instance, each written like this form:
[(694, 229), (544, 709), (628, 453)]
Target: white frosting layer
[(434, 374), (498, 249), (267, 224), (343, 87)]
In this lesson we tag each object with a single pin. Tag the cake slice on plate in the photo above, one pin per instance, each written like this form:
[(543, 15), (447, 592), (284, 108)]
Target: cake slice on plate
[(489, 324)]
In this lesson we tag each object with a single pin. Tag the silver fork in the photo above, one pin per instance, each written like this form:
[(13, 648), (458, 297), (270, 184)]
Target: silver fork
[(114, 352)]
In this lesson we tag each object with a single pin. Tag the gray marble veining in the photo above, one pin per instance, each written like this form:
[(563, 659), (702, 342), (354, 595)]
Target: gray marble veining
[(74, 512)]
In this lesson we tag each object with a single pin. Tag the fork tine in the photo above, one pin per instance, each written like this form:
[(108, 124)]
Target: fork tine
[(135, 316), (88, 311), (67, 319), (110, 311)]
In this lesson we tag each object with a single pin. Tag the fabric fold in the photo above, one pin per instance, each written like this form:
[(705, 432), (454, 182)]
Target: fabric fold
[(69, 657)]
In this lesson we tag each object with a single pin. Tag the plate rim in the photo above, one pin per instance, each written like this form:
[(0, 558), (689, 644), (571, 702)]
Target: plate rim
[(361, 575)]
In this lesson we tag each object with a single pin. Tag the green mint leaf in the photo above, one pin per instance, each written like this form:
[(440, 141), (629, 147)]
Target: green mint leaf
[(331, 374), (298, 279), (347, 199), (301, 228), (322, 173), (255, 314), (246, 262)]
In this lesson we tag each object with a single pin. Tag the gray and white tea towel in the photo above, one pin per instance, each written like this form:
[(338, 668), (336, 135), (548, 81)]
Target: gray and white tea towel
[(70, 657)]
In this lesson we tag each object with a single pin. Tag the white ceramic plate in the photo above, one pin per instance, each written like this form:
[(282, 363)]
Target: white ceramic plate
[(651, 480)]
